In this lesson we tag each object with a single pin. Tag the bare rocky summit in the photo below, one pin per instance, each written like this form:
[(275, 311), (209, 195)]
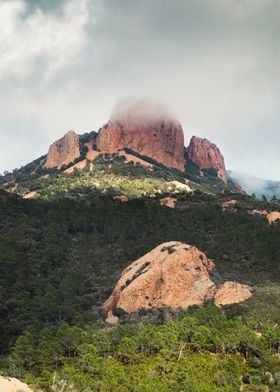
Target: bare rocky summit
[(206, 155), (63, 151), (173, 275), (144, 126)]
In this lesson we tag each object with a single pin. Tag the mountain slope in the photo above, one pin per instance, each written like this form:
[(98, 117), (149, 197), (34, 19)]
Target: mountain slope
[(256, 186)]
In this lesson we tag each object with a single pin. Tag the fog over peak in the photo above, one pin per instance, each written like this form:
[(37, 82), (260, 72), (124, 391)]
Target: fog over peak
[(214, 63), (141, 107)]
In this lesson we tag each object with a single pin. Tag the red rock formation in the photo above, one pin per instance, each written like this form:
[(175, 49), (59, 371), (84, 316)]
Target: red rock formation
[(168, 202), (232, 292), (63, 151), (8, 384), (207, 155), (259, 212), (273, 217), (122, 198), (227, 205), (171, 275), (146, 127)]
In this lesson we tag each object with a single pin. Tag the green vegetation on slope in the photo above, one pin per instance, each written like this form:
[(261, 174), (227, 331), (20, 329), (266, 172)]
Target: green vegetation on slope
[(61, 255), (110, 172), (201, 351)]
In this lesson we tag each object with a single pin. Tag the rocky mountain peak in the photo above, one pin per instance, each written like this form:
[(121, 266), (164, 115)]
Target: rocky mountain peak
[(206, 155), (148, 128), (63, 151)]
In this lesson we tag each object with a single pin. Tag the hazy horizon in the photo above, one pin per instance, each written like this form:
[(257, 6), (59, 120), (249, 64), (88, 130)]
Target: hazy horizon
[(215, 63)]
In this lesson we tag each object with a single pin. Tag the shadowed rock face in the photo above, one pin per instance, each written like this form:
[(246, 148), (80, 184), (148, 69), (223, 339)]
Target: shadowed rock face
[(173, 275), (146, 127), (207, 155), (63, 151)]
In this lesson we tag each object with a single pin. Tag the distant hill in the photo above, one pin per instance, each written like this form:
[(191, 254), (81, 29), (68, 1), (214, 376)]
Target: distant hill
[(254, 185)]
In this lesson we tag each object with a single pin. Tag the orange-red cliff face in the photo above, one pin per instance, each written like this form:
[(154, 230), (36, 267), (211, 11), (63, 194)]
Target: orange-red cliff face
[(207, 155), (174, 275), (63, 151), (146, 127)]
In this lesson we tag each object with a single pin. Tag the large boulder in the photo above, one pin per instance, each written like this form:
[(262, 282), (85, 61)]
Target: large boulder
[(232, 292), (63, 151), (147, 127), (273, 217), (173, 275), (206, 155)]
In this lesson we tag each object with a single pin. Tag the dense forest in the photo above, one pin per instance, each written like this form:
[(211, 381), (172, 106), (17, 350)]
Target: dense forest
[(61, 257), (62, 253)]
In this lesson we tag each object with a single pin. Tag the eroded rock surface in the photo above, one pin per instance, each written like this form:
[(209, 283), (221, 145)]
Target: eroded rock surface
[(273, 217), (232, 292), (122, 198), (206, 155), (63, 151), (173, 275), (168, 202), (146, 127), (229, 204), (8, 384), (259, 212)]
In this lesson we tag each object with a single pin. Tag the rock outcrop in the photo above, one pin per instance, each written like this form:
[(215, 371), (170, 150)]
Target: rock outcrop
[(146, 127), (207, 155), (8, 384), (63, 151), (122, 198), (30, 195), (230, 204), (273, 217), (232, 292), (178, 187), (168, 202), (259, 212), (173, 275)]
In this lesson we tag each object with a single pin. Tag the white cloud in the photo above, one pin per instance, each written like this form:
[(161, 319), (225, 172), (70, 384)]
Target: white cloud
[(51, 40), (215, 62)]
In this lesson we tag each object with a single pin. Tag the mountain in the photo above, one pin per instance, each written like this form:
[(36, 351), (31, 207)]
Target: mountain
[(139, 133), (207, 157), (144, 126), (61, 259), (109, 227), (257, 186)]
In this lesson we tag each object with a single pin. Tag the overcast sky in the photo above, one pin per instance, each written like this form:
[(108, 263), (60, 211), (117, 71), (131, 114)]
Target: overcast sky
[(216, 63)]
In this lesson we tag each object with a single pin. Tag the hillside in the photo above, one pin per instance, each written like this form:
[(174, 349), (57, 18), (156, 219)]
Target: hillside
[(257, 186), (61, 259), (128, 259)]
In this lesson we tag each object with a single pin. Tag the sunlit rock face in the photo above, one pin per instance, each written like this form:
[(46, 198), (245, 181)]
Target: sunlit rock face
[(206, 155), (232, 292), (173, 275), (146, 127), (8, 384), (63, 151), (273, 217)]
